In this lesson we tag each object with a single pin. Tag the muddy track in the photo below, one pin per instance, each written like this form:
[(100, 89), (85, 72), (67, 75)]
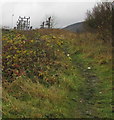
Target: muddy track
[(86, 93)]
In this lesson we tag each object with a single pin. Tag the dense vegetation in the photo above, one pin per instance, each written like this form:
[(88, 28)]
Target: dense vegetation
[(56, 74), (100, 20)]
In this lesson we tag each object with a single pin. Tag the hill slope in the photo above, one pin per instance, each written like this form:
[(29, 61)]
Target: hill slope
[(56, 74), (77, 27)]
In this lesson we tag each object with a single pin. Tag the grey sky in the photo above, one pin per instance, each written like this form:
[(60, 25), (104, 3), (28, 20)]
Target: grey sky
[(65, 13)]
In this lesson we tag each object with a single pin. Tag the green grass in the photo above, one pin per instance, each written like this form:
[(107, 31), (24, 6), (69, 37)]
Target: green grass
[(64, 87), (103, 90)]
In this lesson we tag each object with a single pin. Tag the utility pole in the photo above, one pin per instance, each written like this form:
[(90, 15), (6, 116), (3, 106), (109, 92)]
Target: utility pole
[(12, 20)]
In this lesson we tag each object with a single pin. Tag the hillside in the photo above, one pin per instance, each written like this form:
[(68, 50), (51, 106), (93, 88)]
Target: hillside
[(53, 73), (76, 27)]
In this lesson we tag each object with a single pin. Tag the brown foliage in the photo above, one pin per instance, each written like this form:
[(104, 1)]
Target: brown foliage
[(100, 20)]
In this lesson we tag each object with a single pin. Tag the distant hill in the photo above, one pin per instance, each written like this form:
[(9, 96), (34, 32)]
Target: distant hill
[(76, 27)]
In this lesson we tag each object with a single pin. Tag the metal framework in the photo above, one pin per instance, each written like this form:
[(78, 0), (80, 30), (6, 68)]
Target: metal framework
[(23, 23)]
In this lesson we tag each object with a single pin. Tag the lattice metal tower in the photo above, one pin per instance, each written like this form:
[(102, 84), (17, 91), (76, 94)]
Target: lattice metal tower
[(23, 23)]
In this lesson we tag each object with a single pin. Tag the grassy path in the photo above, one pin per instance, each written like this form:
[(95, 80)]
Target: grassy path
[(86, 92), (89, 100), (83, 96)]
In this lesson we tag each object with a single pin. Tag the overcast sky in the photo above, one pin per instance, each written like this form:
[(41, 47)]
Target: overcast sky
[(65, 12)]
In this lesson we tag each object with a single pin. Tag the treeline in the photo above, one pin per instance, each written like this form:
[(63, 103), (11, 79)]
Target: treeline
[(100, 20)]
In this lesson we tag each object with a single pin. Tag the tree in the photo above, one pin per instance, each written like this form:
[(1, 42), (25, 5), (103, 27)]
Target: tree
[(100, 20), (100, 17), (50, 22), (42, 25)]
